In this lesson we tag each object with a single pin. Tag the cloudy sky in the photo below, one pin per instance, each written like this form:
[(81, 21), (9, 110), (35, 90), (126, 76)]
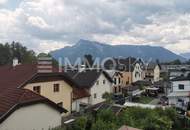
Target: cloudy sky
[(45, 25)]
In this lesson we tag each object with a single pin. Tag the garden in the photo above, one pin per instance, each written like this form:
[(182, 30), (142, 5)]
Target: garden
[(145, 119)]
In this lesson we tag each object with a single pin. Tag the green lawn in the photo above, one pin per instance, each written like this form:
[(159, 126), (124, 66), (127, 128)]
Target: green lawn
[(144, 99)]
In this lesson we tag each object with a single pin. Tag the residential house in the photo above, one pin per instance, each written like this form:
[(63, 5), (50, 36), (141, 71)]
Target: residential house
[(54, 85), (173, 73), (95, 81), (166, 67), (131, 68), (22, 109), (180, 92), (81, 99), (164, 86), (117, 78), (152, 72)]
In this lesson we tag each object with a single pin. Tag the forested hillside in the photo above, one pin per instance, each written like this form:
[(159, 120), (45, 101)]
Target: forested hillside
[(9, 51), (15, 50)]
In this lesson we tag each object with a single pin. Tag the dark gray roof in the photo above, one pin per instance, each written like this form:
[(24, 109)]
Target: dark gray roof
[(87, 77), (181, 78), (152, 65)]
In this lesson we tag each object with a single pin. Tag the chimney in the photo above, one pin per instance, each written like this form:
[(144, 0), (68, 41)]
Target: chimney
[(45, 65), (15, 62)]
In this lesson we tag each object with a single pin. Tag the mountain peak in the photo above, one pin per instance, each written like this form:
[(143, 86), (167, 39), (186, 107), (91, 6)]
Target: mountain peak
[(89, 42), (100, 50)]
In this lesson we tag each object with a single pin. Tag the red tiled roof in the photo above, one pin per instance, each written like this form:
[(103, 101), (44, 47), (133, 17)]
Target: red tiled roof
[(80, 93), (13, 98), (11, 95), (12, 78)]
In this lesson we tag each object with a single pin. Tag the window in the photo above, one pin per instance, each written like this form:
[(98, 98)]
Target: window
[(95, 96), (115, 89), (60, 104), (56, 87), (36, 89), (181, 86), (136, 73), (119, 80), (115, 81), (97, 83), (127, 82), (104, 81), (119, 88)]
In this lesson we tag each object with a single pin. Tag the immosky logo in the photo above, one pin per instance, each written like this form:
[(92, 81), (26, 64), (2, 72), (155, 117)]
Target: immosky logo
[(83, 64)]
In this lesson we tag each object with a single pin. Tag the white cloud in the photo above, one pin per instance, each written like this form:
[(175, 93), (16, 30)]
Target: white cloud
[(181, 47), (52, 24), (2, 2), (45, 46), (38, 22)]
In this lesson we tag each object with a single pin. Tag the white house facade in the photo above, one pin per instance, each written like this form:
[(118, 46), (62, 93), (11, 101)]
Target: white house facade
[(180, 93), (33, 117), (92, 84), (101, 86), (137, 73), (157, 73)]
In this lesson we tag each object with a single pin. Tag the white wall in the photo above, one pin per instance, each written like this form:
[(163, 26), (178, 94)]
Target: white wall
[(100, 90), (33, 117), (156, 73), (175, 88), (174, 100), (175, 85), (76, 103), (139, 71)]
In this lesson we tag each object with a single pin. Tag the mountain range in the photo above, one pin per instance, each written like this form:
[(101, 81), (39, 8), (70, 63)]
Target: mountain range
[(186, 55), (101, 50)]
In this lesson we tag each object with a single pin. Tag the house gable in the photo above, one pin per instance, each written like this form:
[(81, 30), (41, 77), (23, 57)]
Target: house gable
[(64, 95), (28, 118), (101, 86)]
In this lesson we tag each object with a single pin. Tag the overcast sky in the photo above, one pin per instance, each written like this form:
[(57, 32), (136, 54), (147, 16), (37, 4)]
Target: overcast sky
[(45, 25)]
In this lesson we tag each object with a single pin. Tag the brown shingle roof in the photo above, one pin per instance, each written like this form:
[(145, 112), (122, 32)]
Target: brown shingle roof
[(13, 78), (13, 98), (80, 93)]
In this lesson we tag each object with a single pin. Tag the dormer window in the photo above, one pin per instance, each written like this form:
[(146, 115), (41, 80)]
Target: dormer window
[(36, 89)]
